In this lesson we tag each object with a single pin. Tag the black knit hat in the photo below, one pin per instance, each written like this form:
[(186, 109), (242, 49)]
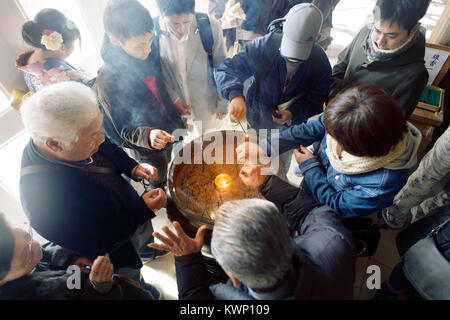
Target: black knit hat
[(6, 247)]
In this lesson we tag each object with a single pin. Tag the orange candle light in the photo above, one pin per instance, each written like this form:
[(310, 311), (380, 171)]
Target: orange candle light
[(222, 181)]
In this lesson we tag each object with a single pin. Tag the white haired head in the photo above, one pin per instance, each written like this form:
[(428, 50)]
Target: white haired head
[(251, 241), (59, 112)]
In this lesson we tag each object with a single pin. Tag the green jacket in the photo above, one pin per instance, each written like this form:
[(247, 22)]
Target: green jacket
[(405, 76)]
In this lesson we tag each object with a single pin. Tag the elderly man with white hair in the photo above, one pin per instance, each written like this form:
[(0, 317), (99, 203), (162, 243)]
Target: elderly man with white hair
[(72, 188), (252, 242)]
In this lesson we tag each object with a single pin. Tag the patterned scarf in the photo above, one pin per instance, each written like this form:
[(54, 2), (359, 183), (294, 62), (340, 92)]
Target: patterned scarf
[(375, 54)]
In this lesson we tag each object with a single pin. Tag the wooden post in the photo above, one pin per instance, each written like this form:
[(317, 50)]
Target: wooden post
[(441, 32)]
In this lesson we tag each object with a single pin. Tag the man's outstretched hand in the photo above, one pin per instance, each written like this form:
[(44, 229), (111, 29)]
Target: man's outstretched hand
[(180, 244)]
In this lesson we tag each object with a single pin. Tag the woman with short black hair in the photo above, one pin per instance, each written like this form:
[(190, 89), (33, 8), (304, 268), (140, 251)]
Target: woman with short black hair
[(366, 120)]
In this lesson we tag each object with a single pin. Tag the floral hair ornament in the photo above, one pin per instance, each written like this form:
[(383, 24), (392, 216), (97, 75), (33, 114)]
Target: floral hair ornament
[(52, 40)]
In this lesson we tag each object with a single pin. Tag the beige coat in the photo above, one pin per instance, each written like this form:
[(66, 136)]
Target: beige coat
[(205, 101)]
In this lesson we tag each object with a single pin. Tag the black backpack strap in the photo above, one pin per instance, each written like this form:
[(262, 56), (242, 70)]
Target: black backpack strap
[(276, 26), (252, 84), (157, 30), (91, 82), (316, 66), (204, 28)]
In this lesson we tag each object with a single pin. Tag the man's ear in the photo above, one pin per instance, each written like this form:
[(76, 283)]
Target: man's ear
[(415, 28), (236, 282), (318, 39), (53, 145), (115, 41)]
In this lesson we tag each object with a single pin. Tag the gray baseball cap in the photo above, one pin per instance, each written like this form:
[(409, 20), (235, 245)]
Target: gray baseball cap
[(300, 30)]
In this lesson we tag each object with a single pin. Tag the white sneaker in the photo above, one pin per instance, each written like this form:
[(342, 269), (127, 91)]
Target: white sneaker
[(394, 218)]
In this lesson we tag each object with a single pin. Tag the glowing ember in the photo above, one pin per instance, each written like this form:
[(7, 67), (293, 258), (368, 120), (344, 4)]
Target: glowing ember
[(222, 181)]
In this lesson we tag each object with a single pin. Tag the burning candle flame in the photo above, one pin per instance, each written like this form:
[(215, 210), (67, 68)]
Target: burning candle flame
[(222, 181)]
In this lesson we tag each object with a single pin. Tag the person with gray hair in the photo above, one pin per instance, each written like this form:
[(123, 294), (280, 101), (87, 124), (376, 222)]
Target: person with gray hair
[(71, 184), (303, 253), (232, 229)]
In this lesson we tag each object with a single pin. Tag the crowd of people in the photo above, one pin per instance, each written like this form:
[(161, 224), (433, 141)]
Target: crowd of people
[(91, 135)]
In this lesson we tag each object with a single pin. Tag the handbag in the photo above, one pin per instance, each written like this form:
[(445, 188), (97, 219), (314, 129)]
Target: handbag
[(426, 268), (366, 235)]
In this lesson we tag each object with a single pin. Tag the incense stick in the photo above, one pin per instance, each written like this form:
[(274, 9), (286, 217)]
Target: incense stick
[(242, 128)]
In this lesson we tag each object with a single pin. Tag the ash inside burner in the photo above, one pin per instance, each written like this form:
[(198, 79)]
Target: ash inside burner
[(193, 186)]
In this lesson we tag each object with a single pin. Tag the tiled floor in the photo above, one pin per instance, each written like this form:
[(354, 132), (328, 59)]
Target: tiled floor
[(161, 273), (386, 257)]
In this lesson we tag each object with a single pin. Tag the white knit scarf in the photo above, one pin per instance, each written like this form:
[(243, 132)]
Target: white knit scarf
[(347, 163)]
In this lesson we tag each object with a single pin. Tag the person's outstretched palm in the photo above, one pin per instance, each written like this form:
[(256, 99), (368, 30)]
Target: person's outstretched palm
[(180, 244)]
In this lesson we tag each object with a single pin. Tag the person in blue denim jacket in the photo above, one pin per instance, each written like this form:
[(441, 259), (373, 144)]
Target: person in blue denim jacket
[(366, 151)]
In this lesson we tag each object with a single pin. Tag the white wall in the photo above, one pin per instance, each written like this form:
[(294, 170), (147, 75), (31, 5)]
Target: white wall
[(92, 11), (11, 44)]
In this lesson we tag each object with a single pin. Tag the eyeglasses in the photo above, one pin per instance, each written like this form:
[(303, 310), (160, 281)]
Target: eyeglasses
[(147, 185), (27, 253)]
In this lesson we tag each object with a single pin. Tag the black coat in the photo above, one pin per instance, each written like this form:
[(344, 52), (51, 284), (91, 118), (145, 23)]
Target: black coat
[(404, 76), (130, 108), (69, 208)]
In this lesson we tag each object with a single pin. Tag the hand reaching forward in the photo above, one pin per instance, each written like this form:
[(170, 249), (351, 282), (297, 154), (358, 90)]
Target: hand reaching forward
[(102, 272), (144, 172), (180, 244), (160, 138), (155, 199), (283, 116), (251, 176), (302, 154), (238, 109), (183, 108)]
